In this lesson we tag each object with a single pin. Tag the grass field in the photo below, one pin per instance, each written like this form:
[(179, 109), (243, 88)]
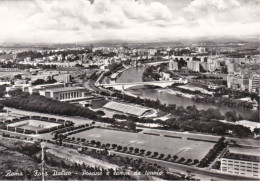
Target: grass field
[(174, 146)]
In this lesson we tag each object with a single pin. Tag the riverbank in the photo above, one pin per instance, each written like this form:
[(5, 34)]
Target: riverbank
[(174, 92)]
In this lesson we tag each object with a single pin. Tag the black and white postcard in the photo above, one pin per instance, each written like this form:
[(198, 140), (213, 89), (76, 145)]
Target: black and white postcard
[(129, 90)]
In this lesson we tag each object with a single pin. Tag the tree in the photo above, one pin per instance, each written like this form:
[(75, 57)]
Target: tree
[(98, 143), (114, 146), (136, 150), (148, 153), (100, 113), (175, 157), (189, 160), (131, 125), (182, 159), (231, 116), (161, 155), (131, 149), (125, 149), (119, 148), (18, 76), (38, 82), (196, 161), (257, 131), (155, 154), (142, 151)]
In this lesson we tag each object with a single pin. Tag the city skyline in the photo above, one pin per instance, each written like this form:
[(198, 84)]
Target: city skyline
[(63, 21)]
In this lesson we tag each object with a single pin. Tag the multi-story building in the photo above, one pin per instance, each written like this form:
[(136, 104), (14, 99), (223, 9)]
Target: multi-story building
[(65, 93), (241, 161), (254, 83), (65, 78), (238, 81), (230, 68), (173, 65), (194, 65)]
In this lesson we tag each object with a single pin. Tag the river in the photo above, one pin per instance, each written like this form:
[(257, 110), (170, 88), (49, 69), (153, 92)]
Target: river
[(135, 75)]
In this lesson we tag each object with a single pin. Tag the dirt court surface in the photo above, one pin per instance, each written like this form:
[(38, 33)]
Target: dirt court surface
[(174, 146)]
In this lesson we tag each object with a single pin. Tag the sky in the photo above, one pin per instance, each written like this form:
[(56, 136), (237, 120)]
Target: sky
[(75, 21)]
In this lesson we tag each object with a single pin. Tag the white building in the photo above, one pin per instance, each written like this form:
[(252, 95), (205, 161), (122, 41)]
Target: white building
[(65, 93), (241, 161), (254, 83), (173, 65)]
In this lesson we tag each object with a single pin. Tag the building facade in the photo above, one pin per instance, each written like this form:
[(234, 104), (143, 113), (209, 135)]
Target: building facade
[(241, 161), (65, 93), (194, 65), (238, 81), (173, 65), (65, 78), (254, 83)]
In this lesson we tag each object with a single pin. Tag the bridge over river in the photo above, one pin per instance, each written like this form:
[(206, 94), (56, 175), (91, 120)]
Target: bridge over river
[(163, 84)]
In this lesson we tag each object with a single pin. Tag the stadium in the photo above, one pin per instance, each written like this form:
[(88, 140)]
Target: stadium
[(127, 109)]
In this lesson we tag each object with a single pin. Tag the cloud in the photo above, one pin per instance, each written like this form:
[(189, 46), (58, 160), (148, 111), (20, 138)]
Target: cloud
[(66, 21)]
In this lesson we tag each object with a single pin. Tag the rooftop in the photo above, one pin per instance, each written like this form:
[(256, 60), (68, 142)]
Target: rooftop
[(125, 108), (65, 89), (244, 154)]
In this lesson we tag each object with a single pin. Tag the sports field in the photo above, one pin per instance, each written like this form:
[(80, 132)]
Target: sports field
[(174, 146)]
